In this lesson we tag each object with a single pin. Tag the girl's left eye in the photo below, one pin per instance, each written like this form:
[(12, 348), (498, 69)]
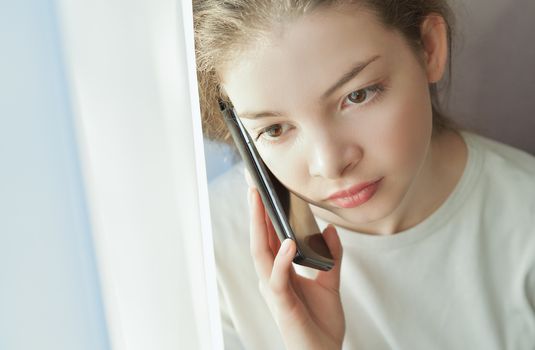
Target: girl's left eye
[(363, 96)]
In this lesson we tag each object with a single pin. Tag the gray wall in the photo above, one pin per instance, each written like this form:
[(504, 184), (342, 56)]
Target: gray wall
[(493, 87)]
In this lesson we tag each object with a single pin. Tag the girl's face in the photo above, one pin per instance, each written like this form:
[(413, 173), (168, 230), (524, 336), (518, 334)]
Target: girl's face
[(335, 101)]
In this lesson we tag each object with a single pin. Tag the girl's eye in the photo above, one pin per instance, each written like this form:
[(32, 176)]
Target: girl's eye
[(273, 132), (363, 96), (357, 96)]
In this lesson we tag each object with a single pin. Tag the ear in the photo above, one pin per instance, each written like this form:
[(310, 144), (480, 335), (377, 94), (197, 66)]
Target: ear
[(433, 31)]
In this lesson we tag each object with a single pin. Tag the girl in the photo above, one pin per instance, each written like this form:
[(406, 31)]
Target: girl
[(437, 224)]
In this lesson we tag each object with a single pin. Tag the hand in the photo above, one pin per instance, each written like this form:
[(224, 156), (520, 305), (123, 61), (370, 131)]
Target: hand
[(308, 312)]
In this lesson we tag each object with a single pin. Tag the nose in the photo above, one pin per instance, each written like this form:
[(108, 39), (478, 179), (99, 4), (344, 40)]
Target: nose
[(332, 155)]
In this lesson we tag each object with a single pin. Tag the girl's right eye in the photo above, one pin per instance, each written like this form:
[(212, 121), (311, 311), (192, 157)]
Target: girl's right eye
[(273, 132)]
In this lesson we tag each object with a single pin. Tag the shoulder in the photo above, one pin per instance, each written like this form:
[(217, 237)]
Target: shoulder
[(229, 212), (506, 159), (228, 194), (229, 181), (503, 182), (503, 185), (503, 169)]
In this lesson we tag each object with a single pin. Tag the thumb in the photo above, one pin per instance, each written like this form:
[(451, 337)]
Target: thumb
[(331, 279)]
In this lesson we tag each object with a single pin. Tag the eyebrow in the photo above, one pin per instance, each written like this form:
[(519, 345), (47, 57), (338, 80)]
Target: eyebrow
[(348, 76), (352, 73)]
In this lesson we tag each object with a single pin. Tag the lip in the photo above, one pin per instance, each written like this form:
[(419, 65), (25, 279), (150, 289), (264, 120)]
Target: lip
[(355, 195)]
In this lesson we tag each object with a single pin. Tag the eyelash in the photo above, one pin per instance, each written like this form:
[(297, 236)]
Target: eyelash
[(377, 89)]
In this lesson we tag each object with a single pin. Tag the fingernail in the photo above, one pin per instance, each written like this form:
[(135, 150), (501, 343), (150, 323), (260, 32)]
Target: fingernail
[(285, 246)]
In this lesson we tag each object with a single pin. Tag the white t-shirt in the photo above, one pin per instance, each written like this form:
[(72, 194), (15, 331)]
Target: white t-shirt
[(464, 278)]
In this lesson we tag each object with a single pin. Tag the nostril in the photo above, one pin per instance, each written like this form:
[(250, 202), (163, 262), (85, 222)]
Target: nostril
[(332, 154), (349, 167)]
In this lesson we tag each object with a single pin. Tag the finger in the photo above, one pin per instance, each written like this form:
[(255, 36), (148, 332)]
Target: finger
[(260, 250), (249, 179), (331, 279), (280, 276)]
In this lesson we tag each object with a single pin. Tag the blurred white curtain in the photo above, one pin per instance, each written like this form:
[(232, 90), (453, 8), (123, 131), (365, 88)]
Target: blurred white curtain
[(130, 66), (50, 295)]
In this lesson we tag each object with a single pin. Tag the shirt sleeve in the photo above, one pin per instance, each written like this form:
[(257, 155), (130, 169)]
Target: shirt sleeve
[(530, 289), (231, 338)]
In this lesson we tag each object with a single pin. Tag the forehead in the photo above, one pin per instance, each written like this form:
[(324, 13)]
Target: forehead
[(298, 62)]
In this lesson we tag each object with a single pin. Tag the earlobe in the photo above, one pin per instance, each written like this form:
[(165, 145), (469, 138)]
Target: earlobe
[(435, 44)]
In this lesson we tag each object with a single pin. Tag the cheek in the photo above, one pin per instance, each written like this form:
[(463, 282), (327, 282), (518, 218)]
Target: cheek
[(406, 129), (287, 167)]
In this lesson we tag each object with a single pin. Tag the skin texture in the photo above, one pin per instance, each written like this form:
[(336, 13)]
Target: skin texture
[(319, 145)]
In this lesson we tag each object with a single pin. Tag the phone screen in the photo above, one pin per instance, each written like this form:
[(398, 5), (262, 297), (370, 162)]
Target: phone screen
[(301, 219), (291, 216)]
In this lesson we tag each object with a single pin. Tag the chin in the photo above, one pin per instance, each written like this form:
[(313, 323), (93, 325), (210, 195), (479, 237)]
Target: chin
[(358, 216)]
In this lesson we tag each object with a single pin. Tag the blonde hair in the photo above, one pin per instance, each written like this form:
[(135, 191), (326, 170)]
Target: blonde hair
[(226, 26)]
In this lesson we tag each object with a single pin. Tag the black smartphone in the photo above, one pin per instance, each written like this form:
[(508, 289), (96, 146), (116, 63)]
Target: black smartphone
[(291, 216)]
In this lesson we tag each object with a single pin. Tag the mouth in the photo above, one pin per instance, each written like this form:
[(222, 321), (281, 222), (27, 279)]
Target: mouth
[(355, 195)]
